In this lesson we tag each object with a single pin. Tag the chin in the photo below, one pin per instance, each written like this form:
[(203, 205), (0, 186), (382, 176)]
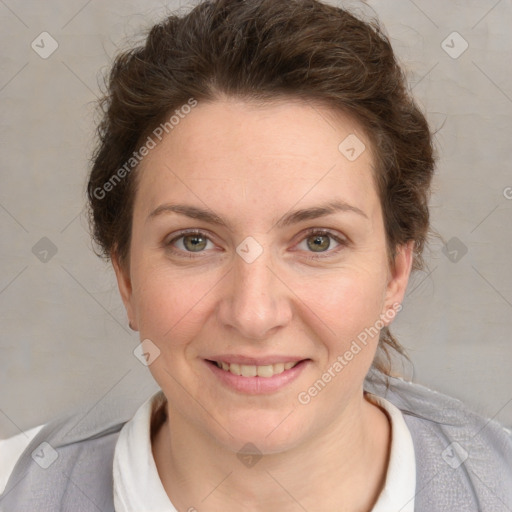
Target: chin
[(270, 432)]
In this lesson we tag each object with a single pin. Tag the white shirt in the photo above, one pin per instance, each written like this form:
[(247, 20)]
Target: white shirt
[(137, 485)]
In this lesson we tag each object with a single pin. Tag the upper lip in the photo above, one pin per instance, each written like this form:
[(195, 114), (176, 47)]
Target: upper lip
[(255, 361)]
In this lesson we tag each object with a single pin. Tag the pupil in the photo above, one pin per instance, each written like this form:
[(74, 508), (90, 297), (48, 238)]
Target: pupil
[(318, 242), (196, 241)]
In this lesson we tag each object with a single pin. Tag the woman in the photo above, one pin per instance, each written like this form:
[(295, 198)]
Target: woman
[(261, 187)]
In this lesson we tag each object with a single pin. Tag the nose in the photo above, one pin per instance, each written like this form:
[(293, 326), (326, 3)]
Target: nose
[(255, 301)]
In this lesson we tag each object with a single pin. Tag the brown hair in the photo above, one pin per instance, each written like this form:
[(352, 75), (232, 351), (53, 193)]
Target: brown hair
[(262, 50)]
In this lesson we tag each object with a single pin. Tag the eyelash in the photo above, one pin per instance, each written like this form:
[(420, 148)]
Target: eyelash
[(309, 233)]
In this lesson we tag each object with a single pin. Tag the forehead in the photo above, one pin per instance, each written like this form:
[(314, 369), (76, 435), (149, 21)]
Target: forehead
[(273, 155)]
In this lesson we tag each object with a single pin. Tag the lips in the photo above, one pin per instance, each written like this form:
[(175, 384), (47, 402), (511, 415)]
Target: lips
[(256, 375)]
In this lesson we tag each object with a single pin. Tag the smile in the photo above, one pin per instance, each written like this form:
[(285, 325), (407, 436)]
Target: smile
[(266, 371), (255, 379)]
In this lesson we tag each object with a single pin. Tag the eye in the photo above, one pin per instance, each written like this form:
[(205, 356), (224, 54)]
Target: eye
[(319, 241), (189, 242)]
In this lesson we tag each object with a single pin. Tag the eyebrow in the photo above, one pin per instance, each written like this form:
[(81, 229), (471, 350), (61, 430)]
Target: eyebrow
[(289, 219)]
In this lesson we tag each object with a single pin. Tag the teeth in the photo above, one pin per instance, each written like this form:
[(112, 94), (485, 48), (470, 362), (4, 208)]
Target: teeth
[(235, 368), (245, 370), (279, 368), (248, 371), (264, 371)]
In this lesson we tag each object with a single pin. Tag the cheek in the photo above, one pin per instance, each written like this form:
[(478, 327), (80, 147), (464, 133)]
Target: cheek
[(170, 312), (345, 307), (347, 302), (170, 304)]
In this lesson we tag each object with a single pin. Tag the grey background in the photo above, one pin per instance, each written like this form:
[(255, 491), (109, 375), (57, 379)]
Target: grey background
[(65, 339)]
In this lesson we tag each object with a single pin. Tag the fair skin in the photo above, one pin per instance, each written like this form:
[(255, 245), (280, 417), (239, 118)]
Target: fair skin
[(198, 300)]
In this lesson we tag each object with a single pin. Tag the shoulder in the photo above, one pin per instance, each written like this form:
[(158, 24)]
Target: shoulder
[(68, 463), (10, 450), (463, 459)]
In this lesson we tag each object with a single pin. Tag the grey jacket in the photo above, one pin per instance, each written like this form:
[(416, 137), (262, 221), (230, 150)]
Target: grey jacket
[(463, 461)]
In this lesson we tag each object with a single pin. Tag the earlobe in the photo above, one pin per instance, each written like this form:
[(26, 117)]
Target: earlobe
[(125, 289)]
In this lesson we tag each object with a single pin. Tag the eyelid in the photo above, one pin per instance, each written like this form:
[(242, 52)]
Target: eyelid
[(325, 231), (185, 232)]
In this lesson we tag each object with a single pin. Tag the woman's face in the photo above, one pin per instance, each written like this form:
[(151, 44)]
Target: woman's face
[(272, 275)]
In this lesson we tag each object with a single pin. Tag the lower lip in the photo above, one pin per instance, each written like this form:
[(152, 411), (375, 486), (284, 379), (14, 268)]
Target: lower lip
[(257, 385)]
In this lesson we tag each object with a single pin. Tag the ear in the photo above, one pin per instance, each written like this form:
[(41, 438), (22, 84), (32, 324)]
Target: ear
[(398, 277), (125, 289)]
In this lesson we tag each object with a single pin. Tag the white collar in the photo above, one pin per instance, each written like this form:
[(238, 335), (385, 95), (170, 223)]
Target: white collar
[(400, 486), (137, 485)]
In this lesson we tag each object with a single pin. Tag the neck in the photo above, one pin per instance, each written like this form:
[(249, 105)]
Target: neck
[(340, 468)]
